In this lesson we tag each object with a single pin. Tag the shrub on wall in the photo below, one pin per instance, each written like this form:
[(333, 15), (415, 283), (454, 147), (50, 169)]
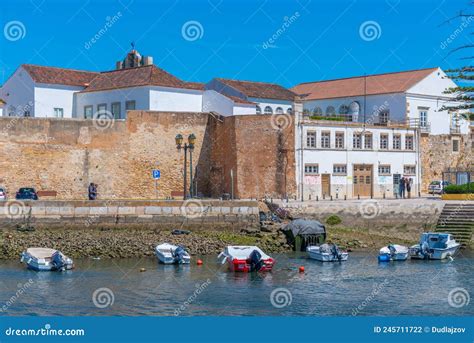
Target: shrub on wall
[(468, 188)]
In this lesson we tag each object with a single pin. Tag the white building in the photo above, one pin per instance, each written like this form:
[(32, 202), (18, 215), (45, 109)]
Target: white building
[(415, 96), (40, 91), (358, 136)]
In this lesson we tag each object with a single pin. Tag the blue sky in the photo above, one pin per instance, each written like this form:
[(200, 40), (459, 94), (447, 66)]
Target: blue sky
[(322, 39)]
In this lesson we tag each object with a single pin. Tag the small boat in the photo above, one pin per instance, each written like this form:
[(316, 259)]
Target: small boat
[(393, 252), (327, 253), (45, 259), (246, 259), (434, 246), (172, 254)]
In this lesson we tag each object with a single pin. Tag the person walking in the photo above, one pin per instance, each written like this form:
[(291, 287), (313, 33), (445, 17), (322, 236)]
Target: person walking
[(92, 190), (409, 183), (402, 188)]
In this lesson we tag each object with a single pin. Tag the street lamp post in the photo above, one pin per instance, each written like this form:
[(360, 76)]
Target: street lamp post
[(189, 145)]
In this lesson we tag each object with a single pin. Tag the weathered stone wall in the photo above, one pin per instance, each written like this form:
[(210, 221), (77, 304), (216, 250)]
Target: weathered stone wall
[(437, 156), (260, 154), (65, 155)]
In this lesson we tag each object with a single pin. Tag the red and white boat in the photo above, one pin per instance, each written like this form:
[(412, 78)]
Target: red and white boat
[(246, 259)]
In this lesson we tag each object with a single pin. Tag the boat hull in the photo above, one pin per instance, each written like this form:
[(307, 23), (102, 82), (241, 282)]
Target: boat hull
[(327, 257), (42, 265), (171, 260), (395, 257), (433, 254), (243, 266), (165, 253)]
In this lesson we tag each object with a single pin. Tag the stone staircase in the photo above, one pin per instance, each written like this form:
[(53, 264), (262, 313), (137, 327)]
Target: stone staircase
[(458, 220)]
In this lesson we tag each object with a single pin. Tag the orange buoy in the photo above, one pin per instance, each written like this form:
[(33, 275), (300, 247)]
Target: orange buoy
[(199, 262), (301, 269)]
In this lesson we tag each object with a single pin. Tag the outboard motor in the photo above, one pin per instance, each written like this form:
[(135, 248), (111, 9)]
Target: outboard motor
[(179, 253), (256, 262), (425, 250), (392, 249), (59, 261), (336, 253)]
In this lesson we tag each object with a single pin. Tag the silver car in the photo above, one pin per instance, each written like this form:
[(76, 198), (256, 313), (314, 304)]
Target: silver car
[(3, 194), (437, 187)]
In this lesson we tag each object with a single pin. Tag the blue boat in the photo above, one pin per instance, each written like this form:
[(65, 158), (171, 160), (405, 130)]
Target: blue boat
[(393, 252), (45, 259)]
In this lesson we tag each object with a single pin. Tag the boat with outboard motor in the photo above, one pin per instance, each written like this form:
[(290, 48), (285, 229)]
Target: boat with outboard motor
[(46, 259), (434, 246), (246, 259), (172, 254), (327, 252), (393, 252)]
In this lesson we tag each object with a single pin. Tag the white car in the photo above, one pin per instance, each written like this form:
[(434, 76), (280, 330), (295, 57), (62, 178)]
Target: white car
[(437, 187), (3, 194)]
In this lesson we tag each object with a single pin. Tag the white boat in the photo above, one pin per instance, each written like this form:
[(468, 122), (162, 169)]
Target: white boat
[(434, 246), (172, 254), (327, 253), (242, 258), (45, 259), (393, 252)]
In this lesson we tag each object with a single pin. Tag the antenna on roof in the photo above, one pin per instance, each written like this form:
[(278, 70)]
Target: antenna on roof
[(133, 45)]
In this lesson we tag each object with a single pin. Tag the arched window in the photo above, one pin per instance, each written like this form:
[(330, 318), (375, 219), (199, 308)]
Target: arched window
[(289, 110), (258, 110), (317, 111), (330, 111), (279, 110), (354, 108), (268, 110), (343, 109)]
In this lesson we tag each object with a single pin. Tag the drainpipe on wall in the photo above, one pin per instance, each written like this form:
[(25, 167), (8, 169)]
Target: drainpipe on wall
[(299, 134)]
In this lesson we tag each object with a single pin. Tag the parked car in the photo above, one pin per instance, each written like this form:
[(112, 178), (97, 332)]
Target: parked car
[(26, 193), (3, 194), (437, 187)]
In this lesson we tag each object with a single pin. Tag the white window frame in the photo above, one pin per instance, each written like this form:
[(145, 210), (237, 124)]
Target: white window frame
[(326, 139), (268, 110), (384, 141), (397, 138), (339, 140), (385, 169), (339, 169), (311, 169), (311, 139), (58, 112), (409, 139), (412, 170)]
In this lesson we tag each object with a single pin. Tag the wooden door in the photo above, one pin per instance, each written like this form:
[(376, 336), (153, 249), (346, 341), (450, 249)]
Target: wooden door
[(362, 180), (326, 184)]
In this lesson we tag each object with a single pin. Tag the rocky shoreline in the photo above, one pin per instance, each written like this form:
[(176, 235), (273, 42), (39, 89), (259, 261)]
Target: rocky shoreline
[(139, 240)]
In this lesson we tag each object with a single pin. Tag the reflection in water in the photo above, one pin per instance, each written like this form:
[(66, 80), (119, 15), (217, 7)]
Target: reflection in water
[(359, 286)]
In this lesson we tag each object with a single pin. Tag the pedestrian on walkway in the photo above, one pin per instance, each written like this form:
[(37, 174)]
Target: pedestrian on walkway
[(92, 190), (409, 183), (401, 187)]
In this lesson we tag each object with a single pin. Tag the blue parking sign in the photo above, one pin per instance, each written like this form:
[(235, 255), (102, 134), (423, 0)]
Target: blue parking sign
[(156, 173)]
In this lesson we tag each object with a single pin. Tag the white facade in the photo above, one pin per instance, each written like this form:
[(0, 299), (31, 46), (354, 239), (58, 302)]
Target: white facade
[(426, 97), (337, 162), (275, 105), (19, 94)]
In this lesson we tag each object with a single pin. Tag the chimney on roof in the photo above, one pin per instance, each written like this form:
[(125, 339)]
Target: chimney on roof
[(119, 65), (147, 60)]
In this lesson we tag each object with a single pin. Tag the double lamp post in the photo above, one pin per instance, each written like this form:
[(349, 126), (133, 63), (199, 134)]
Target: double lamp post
[(187, 146)]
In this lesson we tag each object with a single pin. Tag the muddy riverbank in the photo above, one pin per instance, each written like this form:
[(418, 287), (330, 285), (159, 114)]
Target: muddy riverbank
[(138, 241)]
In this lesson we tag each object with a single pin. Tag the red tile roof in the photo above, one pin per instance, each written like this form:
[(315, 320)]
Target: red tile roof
[(240, 100), (260, 89), (398, 82), (149, 75), (61, 76)]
